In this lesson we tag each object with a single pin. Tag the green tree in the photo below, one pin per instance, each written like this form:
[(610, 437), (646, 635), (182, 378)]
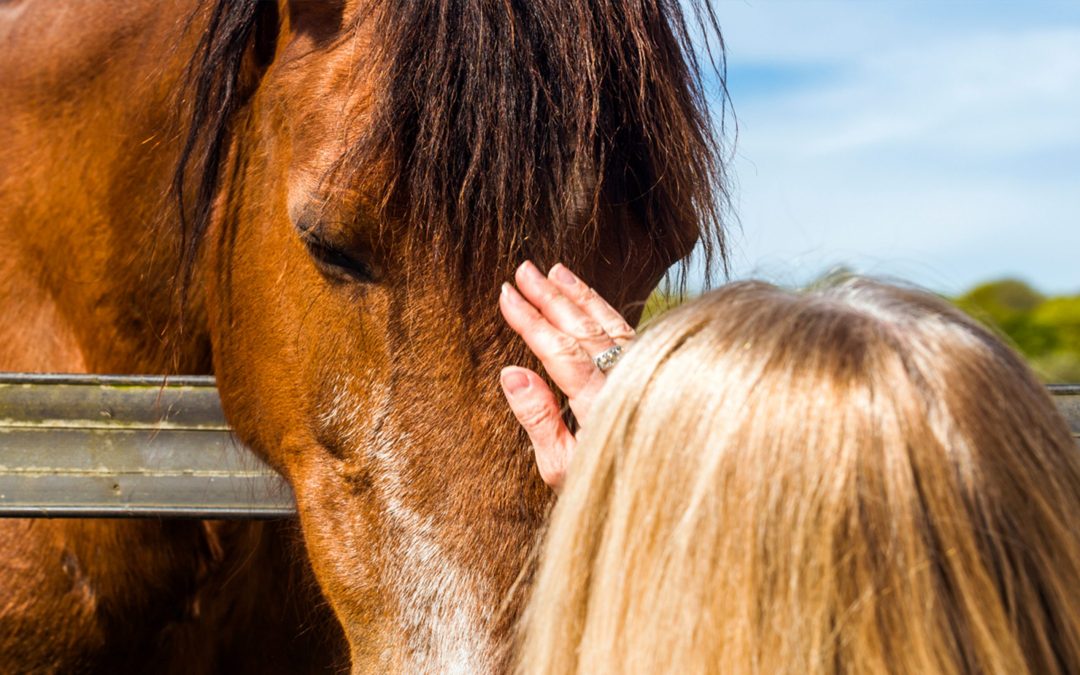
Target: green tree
[(1045, 330), (659, 302), (1001, 301)]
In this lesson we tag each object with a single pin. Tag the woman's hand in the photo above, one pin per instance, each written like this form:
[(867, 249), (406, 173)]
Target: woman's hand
[(566, 324)]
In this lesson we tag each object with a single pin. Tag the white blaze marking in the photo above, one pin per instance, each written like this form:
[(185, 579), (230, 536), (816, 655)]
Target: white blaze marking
[(439, 611)]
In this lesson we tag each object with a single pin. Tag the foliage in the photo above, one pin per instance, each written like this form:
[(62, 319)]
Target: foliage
[(659, 302), (1046, 330)]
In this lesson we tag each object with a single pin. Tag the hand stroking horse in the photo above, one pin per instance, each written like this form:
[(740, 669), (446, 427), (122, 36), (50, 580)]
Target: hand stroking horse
[(316, 201)]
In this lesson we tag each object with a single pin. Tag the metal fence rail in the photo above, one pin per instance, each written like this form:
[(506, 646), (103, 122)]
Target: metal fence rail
[(136, 446), (127, 446), (1067, 397)]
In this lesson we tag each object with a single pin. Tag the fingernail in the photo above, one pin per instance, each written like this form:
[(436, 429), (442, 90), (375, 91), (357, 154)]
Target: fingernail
[(514, 382), (510, 293), (531, 270), (563, 275)]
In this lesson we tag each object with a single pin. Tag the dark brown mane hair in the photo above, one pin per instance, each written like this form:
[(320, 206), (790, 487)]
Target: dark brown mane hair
[(494, 116)]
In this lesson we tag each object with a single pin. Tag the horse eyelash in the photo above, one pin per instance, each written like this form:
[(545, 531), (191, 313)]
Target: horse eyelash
[(328, 255)]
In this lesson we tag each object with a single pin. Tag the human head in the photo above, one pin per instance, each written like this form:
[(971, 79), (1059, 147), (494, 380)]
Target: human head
[(853, 479)]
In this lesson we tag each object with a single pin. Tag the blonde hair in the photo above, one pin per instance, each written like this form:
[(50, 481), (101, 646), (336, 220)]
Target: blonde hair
[(858, 479)]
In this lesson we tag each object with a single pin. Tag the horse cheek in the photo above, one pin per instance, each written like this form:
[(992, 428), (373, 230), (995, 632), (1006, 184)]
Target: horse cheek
[(298, 362)]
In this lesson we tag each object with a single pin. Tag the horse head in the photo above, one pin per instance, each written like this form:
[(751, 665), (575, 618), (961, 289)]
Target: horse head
[(358, 180)]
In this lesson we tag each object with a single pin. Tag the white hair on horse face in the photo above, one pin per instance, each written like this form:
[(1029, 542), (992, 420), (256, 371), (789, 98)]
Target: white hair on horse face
[(344, 415), (440, 611), (438, 606)]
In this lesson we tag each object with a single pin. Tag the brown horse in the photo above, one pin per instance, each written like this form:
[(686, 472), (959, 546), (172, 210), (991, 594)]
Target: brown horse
[(337, 189)]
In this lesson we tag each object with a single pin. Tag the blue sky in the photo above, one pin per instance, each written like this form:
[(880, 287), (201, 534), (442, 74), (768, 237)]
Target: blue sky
[(936, 141)]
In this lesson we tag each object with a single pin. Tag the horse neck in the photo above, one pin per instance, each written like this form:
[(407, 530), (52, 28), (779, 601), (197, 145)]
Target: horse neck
[(90, 136)]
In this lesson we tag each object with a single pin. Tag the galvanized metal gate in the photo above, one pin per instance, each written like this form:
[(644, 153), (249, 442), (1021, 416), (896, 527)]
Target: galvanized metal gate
[(142, 446), (127, 446)]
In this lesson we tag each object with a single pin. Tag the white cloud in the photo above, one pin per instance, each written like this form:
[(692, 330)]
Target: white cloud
[(984, 93), (941, 150)]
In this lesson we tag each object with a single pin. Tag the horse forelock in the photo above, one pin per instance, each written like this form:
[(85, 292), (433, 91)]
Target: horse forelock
[(503, 130)]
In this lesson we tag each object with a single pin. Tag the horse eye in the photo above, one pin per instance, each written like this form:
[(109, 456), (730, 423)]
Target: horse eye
[(337, 263)]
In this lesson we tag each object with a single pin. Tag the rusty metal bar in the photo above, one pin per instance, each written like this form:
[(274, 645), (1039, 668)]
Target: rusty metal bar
[(109, 446), (127, 446), (1067, 397)]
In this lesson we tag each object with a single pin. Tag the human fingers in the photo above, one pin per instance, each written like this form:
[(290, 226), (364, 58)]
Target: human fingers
[(569, 366), (592, 303), (535, 407), (562, 312)]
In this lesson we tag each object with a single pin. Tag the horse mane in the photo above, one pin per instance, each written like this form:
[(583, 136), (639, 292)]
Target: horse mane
[(494, 117)]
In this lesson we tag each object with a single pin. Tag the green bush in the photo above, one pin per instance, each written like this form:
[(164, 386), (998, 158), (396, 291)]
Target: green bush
[(659, 302), (1045, 330)]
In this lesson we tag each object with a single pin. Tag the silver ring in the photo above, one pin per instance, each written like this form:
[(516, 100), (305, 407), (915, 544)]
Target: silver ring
[(607, 359)]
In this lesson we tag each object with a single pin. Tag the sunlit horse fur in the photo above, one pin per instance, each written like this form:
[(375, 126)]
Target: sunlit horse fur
[(316, 201)]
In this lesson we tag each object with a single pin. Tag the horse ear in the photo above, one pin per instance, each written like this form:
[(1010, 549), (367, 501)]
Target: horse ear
[(262, 47), (313, 23), (267, 28), (307, 22)]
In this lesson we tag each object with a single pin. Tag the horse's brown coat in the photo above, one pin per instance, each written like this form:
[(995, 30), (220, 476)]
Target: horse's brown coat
[(375, 393)]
